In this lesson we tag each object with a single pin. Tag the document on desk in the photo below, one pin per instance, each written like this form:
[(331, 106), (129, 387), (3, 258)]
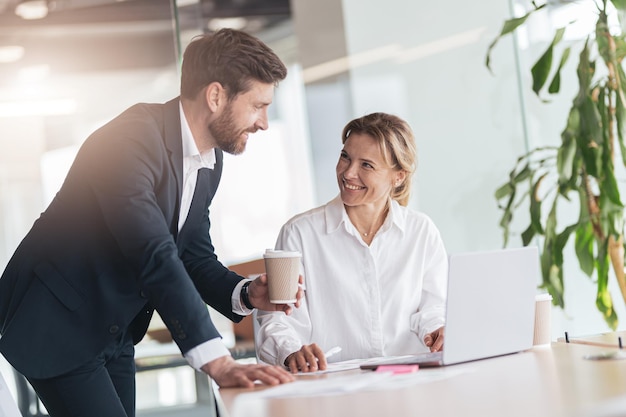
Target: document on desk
[(335, 367), (254, 404), (361, 381), (345, 365)]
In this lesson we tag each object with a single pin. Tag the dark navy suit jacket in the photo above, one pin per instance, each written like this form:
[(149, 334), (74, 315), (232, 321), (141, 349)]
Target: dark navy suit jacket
[(107, 252)]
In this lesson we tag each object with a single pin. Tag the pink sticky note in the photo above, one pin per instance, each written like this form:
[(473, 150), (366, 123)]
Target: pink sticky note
[(398, 369)]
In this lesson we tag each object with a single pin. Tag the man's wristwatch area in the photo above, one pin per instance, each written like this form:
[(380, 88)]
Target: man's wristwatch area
[(245, 296)]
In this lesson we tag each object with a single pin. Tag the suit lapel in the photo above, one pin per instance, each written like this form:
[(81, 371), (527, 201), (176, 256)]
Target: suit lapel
[(173, 143), (215, 174)]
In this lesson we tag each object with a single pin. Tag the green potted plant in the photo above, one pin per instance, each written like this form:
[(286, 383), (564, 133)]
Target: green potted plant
[(582, 169)]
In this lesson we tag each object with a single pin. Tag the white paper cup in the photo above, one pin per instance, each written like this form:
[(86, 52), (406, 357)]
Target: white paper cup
[(543, 311), (283, 270)]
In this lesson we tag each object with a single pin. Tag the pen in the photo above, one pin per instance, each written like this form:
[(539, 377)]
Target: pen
[(332, 351)]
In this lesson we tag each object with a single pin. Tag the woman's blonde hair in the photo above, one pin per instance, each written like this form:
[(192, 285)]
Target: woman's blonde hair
[(397, 144)]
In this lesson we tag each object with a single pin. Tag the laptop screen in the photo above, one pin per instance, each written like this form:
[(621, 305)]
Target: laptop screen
[(491, 303)]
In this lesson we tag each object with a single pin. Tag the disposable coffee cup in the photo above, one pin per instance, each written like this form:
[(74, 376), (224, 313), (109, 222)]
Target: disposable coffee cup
[(543, 310), (283, 270)]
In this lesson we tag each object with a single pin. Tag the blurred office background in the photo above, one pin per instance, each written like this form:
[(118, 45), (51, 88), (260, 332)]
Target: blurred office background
[(64, 75)]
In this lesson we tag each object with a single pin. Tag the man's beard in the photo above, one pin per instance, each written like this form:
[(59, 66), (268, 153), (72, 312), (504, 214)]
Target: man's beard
[(226, 135)]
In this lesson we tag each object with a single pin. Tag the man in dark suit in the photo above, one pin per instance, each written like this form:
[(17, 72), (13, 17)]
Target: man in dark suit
[(128, 233)]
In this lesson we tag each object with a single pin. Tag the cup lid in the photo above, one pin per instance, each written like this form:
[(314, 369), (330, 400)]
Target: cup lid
[(543, 297), (271, 253)]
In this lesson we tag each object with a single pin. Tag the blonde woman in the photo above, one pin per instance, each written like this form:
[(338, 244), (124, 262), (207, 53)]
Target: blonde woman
[(375, 271)]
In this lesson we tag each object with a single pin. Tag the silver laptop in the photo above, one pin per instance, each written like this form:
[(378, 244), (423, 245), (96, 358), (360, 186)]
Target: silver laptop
[(490, 308)]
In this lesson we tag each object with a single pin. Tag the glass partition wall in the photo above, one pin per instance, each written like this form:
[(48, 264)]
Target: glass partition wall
[(64, 75), (61, 77)]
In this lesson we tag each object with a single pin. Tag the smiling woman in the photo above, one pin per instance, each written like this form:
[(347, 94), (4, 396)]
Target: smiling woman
[(364, 253), (369, 171)]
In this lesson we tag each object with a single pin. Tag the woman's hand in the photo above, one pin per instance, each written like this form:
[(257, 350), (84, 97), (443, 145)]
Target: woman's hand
[(309, 358), (434, 340)]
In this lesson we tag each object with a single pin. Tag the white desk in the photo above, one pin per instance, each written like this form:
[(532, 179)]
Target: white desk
[(549, 381)]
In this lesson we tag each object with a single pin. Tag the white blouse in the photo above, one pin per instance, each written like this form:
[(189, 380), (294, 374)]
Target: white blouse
[(371, 301)]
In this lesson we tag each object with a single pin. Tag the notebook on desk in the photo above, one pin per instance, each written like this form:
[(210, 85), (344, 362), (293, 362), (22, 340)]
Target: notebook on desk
[(490, 308)]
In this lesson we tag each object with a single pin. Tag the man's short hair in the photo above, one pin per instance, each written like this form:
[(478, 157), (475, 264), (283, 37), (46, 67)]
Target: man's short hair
[(231, 57)]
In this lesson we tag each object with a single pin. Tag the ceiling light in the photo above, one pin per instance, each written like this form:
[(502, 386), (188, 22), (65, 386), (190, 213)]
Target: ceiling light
[(11, 53), (51, 107), (32, 9), (237, 23), (33, 73)]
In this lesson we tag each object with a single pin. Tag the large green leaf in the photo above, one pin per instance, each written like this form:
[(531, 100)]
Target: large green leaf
[(620, 48), (569, 160), (590, 136), (620, 114), (524, 174), (535, 206), (552, 259), (619, 4), (602, 38), (591, 126), (565, 156), (555, 85), (546, 264), (589, 131), (585, 71), (504, 191), (528, 235), (507, 216), (561, 241), (604, 120), (616, 222), (608, 185), (508, 27), (604, 303), (552, 275), (611, 215), (584, 247), (541, 69)]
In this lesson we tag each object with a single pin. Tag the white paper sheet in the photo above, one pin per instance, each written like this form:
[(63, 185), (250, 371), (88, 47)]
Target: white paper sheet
[(255, 403), (346, 365)]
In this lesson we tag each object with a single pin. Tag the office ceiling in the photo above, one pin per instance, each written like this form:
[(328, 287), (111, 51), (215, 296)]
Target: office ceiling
[(69, 11), (85, 12), (79, 35)]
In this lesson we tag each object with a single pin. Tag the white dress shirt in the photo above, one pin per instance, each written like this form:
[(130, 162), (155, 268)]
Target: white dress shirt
[(193, 160), (376, 300)]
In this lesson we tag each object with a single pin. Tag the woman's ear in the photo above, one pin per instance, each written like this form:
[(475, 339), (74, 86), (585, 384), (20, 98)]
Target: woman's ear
[(400, 177)]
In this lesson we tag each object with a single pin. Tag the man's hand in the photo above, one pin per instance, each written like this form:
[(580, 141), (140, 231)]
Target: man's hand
[(258, 293), (309, 358), (227, 373), (434, 340)]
